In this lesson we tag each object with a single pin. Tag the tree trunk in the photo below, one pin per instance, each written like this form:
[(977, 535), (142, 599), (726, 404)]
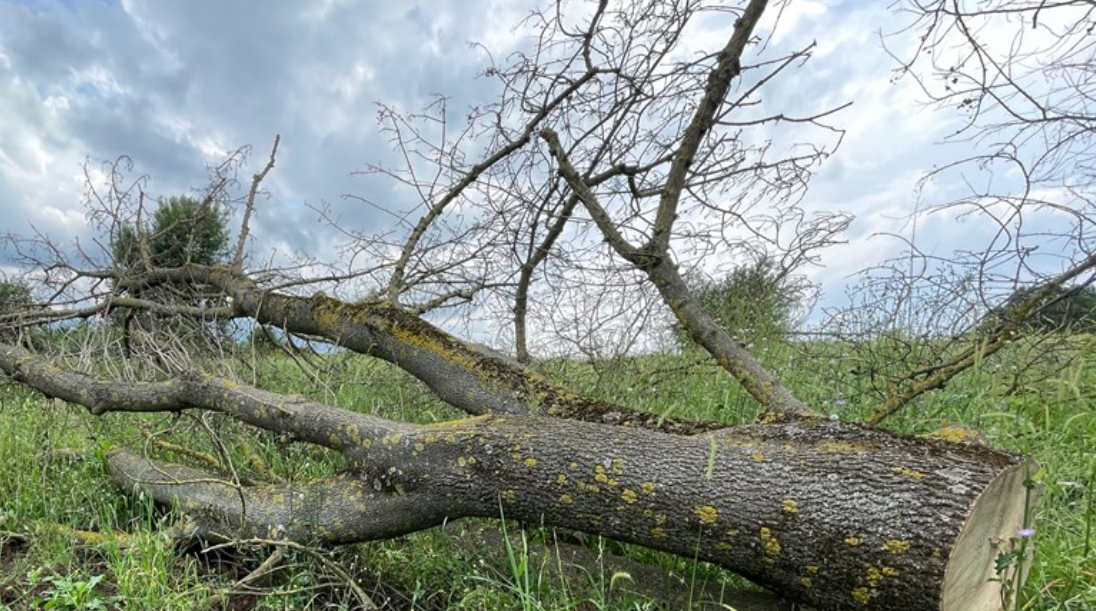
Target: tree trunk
[(829, 514)]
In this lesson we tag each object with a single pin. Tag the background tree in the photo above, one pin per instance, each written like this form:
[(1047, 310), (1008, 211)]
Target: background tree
[(15, 299), (183, 230), (753, 302), (1063, 309)]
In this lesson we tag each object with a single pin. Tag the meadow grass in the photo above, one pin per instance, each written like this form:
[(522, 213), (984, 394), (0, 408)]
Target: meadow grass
[(53, 483)]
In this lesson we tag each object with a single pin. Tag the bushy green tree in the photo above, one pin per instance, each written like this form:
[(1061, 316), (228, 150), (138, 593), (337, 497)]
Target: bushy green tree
[(753, 302), (184, 230), (14, 296)]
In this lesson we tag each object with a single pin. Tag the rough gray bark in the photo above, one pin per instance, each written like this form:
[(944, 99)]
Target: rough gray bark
[(830, 514)]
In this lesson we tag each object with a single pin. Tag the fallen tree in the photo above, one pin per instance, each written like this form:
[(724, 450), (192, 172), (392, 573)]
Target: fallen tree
[(613, 124), (828, 513)]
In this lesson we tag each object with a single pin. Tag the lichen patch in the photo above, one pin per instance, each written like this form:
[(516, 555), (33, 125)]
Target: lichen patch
[(906, 471), (706, 513), (896, 546), (769, 541)]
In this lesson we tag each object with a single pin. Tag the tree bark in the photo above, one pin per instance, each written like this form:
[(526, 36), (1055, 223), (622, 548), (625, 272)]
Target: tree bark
[(830, 514)]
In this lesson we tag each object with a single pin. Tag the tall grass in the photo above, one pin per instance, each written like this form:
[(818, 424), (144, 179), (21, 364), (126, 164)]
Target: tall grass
[(52, 478)]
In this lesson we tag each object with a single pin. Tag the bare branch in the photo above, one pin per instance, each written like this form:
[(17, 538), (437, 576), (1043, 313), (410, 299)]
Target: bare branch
[(249, 206)]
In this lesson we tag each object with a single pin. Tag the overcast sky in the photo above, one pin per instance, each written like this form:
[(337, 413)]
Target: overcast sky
[(177, 84)]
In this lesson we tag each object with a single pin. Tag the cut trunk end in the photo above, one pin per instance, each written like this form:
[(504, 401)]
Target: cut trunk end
[(972, 581)]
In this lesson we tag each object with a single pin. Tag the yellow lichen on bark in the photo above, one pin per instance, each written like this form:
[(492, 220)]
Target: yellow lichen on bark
[(769, 541), (464, 422), (906, 471), (847, 447), (422, 341), (707, 514), (601, 475), (873, 577), (618, 466), (955, 434), (896, 546)]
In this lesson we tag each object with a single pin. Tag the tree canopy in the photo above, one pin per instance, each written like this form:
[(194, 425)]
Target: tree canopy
[(183, 230), (755, 301)]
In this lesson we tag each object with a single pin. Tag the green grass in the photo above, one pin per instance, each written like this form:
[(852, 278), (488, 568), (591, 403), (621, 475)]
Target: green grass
[(51, 473)]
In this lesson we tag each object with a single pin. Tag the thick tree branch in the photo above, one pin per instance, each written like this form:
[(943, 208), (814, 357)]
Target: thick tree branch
[(338, 509), (338, 429), (777, 401), (728, 66), (589, 200), (460, 374)]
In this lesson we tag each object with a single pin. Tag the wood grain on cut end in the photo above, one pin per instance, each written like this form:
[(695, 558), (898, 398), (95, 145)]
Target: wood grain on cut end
[(971, 582)]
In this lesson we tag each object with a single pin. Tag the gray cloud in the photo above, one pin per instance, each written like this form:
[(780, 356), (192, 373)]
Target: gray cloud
[(177, 84)]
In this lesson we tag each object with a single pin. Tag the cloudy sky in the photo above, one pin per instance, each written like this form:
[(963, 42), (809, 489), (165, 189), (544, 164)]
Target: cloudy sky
[(177, 84)]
